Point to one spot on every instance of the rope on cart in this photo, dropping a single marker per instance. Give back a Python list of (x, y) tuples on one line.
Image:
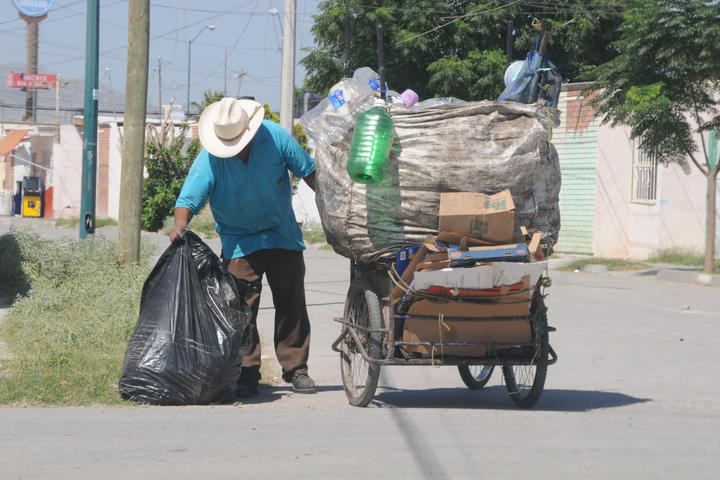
[(441, 323)]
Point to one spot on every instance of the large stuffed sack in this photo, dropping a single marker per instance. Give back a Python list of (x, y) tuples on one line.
[(481, 147), (192, 332)]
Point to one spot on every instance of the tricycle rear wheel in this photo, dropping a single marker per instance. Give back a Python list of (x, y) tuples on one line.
[(362, 312), (525, 383), (475, 376)]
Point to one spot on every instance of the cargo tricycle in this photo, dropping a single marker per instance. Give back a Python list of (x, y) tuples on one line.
[(374, 334)]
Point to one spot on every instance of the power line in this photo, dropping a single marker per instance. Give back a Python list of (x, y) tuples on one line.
[(471, 13), (247, 24)]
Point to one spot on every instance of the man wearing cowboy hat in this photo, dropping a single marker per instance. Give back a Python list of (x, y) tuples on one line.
[(243, 172)]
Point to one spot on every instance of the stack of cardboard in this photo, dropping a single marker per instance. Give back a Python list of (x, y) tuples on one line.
[(472, 281)]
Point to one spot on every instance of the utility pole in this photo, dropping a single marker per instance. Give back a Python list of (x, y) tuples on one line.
[(31, 61), (225, 76), (131, 177), (287, 87), (160, 87), (239, 76), (57, 108), (90, 114)]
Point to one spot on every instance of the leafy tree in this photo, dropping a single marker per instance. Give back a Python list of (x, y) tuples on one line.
[(664, 85), (270, 115), (457, 48), (166, 168)]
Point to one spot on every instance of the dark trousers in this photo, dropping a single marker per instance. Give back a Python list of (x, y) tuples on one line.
[(285, 270)]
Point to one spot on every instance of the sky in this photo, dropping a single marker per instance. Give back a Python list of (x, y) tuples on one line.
[(246, 29)]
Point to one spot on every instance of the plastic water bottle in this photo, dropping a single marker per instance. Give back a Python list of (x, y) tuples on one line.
[(333, 118), (367, 76), (370, 147)]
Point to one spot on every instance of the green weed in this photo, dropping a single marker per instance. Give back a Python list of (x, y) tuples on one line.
[(678, 256), (73, 313), (613, 264)]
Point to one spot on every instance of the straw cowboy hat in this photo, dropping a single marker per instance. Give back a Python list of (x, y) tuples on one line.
[(227, 126)]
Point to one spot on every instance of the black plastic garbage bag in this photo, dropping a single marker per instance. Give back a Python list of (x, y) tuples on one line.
[(192, 331)]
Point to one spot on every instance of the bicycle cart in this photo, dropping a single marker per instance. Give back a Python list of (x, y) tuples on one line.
[(372, 336)]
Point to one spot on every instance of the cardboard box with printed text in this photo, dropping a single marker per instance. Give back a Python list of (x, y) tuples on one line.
[(485, 217)]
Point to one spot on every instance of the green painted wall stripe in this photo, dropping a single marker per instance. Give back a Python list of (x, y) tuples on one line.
[(578, 155)]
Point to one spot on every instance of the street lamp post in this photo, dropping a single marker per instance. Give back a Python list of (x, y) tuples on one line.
[(187, 107)]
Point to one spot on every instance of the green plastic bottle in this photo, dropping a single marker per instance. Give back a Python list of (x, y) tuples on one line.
[(370, 147)]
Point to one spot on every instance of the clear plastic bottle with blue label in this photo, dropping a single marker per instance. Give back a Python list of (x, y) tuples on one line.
[(371, 145), (367, 76), (334, 117)]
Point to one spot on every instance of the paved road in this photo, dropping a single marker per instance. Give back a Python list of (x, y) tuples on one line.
[(633, 395)]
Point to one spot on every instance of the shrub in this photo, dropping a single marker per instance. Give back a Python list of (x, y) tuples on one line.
[(167, 168)]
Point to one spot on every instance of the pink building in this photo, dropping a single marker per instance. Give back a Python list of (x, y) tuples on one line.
[(616, 201)]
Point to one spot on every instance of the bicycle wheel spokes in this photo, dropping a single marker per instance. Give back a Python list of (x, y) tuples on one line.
[(362, 312)]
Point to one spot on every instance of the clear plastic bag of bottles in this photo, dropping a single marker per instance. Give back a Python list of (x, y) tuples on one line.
[(333, 119)]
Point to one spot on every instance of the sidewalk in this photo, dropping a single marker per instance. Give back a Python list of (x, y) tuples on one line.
[(47, 228), (664, 272)]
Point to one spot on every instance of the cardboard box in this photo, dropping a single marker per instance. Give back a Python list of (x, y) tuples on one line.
[(473, 277), (431, 330), (485, 217)]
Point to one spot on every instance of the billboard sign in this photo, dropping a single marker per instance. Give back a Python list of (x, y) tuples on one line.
[(31, 80)]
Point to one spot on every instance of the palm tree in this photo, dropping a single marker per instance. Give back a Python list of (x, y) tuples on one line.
[(210, 96)]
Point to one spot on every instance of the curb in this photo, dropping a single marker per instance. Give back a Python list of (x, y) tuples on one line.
[(684, 276)]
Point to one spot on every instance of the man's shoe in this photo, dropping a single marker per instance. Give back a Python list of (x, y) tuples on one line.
[(302, 383), (247, 386)]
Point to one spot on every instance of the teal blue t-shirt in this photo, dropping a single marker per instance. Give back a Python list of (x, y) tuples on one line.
[(252, 204)]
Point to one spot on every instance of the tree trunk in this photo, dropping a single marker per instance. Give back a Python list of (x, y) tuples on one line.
[(710, 234)]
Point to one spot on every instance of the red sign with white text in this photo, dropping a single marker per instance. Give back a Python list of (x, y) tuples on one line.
[(31, 80)]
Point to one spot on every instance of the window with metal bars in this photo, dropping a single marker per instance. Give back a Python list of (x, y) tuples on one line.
[(644, 172)]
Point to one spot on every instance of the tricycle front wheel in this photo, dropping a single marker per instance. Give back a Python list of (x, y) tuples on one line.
[(362, 312)]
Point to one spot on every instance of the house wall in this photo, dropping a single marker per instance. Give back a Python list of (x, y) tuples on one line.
[(632, 229), (596, 195), (67, 167)]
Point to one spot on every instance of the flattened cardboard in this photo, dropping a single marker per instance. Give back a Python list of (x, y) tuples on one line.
[(426, 266), (534, 244), (513, 252), (485, 217), (479, 277), (512, 305), (431, 330), (436, 257), (509, 273)]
